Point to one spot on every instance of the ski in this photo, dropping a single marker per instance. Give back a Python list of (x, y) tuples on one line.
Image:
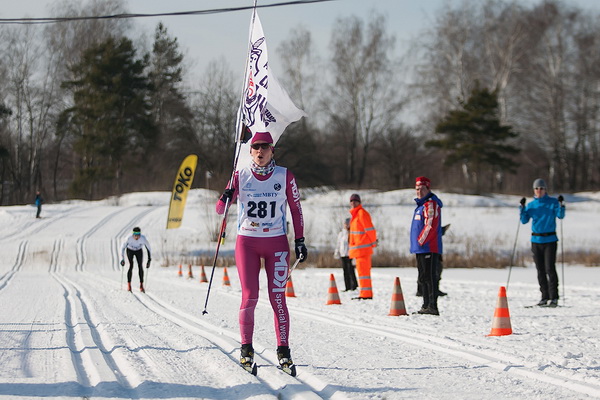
[(250, 367), (289, 369), (538, 306)]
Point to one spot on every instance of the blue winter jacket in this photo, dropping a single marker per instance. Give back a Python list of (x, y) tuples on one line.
[(426, 226), (543, 211)]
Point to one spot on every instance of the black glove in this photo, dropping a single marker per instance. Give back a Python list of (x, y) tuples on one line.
[(227, 195), (300, 249), (246, 134), (560, 199), (148, 263), (122, 263), (523, 200), (444, 229)]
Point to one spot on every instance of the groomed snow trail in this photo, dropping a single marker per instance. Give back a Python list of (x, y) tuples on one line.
[(70, 330)]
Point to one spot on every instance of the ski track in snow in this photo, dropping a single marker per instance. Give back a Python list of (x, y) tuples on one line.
[(153, 345)]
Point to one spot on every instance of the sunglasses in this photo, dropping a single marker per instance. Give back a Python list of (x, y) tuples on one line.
[(136, 234), (540, 188), (263, 146)]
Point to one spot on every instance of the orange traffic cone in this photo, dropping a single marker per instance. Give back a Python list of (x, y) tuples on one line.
[(333, 297), (289, 288), (203, 275), (501, 323), (397, 308), (226, 278), (180, 273), (190, 275)]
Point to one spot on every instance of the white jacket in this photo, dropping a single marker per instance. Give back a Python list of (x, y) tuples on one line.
[(341, 248), (135, 244)]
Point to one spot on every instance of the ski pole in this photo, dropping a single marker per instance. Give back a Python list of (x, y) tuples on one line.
[(147, 275), (122, 272), (221, 238), (562, 256), (514, 248), (294, 267)]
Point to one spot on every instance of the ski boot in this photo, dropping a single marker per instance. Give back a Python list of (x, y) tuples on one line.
[(142, 288), (552, 303), (129, 286), (247, 358), (429, 310), (285, 360)]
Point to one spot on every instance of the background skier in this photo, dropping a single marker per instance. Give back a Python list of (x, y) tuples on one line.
[(38, 203), (134, 245), (543, 211)]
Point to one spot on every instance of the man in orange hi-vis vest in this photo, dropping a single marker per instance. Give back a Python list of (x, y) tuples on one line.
[(362, 239)]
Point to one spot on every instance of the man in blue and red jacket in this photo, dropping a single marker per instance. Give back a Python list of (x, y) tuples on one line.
[(426, 242)]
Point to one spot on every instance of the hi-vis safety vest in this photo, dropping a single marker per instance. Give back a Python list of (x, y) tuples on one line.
[(362, 237), (262, 204)]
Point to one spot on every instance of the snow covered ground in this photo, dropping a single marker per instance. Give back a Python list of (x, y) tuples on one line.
[(68, 329)]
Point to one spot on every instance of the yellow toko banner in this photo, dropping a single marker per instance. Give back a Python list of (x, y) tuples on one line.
[(183, 183)]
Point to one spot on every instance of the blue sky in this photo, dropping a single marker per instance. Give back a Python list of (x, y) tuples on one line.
[(209, 37)]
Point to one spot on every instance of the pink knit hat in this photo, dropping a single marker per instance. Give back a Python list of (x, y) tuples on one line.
[(262, 137)]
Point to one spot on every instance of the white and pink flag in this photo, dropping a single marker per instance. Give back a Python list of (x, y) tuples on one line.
[(266, 105)]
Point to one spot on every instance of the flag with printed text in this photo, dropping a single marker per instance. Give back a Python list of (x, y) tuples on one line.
[(266, 107)]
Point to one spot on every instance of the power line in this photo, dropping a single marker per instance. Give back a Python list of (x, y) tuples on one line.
[(52, 20)]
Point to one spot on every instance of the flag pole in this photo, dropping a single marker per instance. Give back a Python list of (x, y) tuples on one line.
[(241, 131)]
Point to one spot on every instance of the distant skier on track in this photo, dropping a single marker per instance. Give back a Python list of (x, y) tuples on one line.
[(39, 200), (134, 245)]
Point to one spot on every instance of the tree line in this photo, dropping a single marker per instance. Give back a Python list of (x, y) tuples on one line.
[(492, 96)]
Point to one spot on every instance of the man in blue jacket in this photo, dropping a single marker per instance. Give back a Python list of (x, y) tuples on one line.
[(543, 211), (426, 243)]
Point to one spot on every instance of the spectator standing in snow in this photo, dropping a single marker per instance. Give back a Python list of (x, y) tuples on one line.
[(263, 191), (38, 203), (134, 245), (543, 211), (341, 252), (361, 241), (426, 243)]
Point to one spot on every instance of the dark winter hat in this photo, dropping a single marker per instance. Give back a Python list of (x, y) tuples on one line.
[(422, 180), (262, 137), (137, 230), (539, 183), (355, 197)]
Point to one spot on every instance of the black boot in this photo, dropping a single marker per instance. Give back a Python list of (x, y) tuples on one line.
[(247, 358), (429, 310), (285, 360)]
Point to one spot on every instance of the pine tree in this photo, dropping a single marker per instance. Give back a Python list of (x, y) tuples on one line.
[(170, 109), (110, 119), (475, 138)]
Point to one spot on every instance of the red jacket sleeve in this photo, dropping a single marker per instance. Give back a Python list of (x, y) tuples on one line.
[(430, 224)]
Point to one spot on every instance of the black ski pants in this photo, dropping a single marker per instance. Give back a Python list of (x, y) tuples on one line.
[(428, 267), (349, 275), (544, 256), (139, 258)]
